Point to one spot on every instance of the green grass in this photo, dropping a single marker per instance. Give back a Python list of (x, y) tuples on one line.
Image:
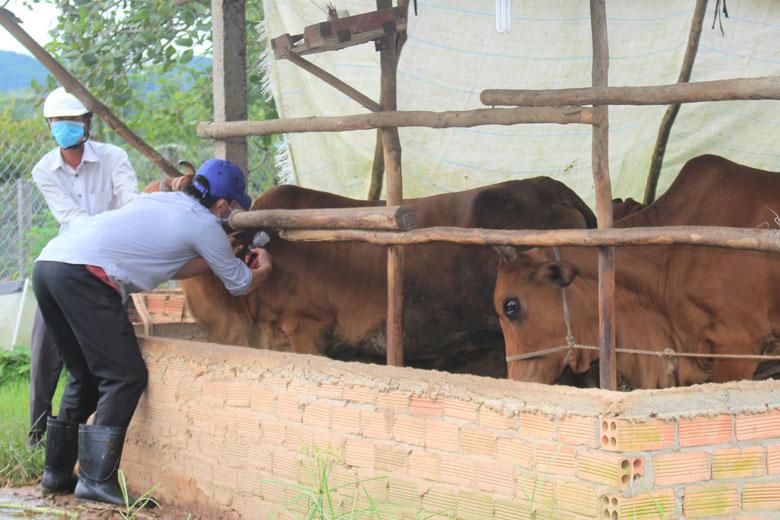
[(19, 465)]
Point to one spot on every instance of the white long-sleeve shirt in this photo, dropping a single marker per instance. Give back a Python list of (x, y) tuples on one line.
[(145, 243), (104, 180)]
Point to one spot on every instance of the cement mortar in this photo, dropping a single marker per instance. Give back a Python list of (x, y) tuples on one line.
[(510, 396)]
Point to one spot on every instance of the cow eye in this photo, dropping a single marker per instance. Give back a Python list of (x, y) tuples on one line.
[(512, 308)]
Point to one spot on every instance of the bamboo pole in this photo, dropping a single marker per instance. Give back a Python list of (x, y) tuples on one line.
[(747, 239), (397, 119), (391, 218), (671, 112), (9, 21), (335, 82), (767, 87), (391, 147), (600, 160)]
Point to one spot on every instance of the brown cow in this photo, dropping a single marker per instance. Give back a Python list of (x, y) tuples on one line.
[(330, 298), (689, 299)]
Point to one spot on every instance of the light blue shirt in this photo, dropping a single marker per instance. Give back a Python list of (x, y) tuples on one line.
[(146, 242)]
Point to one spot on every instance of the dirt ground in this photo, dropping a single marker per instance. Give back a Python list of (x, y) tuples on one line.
[(64, 507)]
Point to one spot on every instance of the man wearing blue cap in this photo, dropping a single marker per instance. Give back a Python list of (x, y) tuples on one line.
[(81, 280)]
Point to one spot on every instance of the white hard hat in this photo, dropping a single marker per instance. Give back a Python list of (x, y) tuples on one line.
[(61, 103)]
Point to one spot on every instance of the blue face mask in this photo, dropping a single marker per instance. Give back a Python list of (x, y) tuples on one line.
[(67, 133)]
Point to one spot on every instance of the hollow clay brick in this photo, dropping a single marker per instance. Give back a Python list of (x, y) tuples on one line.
[(394, 399), (496, 477), (735, 463), (388, 457), (345, 419), (761, 496), (577, 498), (360, 394), (426, 406), (681, 468), (626, 435), (274, 432), (317, 415), (237, 394), (330, 391), (410, 430), (555, 458), (517, 452), (458, 409), (424, 465), (577, 430), (458, 470), (262, 399), (440, 501), (359, 453), (764, 425), (773, 459), (538, 492), (474, 506), (477, 441), (495, 420), (710, 500), (513, 510), (288, 407), (605, 468), (441, 435), (700, 431), (536, 425), (403, 493), (659, 505), (374, 425)]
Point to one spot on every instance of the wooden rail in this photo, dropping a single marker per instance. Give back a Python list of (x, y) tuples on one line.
[(397, 119), (767, 87), (707, 236), (398, 218)]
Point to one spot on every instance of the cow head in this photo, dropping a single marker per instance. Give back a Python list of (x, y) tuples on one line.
[(168, 183), (529, 304)]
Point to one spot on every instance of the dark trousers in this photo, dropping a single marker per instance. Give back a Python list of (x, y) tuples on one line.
[(89, 323), (45, 369)]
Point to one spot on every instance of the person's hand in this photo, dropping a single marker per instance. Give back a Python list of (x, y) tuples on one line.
[(235, 243), (259, 261)]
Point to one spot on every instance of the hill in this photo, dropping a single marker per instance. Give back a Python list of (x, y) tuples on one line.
[(17, 70)]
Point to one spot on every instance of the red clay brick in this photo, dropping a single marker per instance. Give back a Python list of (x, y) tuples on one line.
[(330, 391), (735, 463), (403, 493), (360, 394), (681, 468), (374, 425), (496, 420), (274, 381), (273, 431), (659, 505), (626, 435), (461, 409), (604, 468), (496, 477), (515, 451), (555, 458), (458, 470), (773, 459), (388, 457), (237, 394), (441, 435), (764, 425), (578, 430), (538, 492), (441, 501), (345, 419), (426, 406), (513, 510), (474, 506), (700, 431), (761, 496), (710, 500), (262, 399), (424, 465), (287, 465), (477, 442), (410, 430), (536, 425)]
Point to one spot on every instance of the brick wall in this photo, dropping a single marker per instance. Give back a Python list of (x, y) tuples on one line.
[(234, 432)]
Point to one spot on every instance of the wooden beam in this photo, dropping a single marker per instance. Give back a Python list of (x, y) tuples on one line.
[(228, 71), (397, 119), (9, 21), (767, 87), (377, 218), (747, 239), (335, 82), (601, 181), (671, 112)]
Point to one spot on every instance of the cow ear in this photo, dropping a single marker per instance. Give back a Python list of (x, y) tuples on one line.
[(187, 167), (507, 253), (559, 273)]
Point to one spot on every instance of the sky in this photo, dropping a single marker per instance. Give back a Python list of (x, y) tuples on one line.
[(36, 23)]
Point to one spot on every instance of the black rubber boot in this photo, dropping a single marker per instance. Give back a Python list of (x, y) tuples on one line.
[(100, 449), (61, 451)]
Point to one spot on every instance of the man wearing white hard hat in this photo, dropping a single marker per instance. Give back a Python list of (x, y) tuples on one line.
[(77, 179)]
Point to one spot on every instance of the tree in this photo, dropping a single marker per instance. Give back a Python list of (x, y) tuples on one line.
[(148, 60)]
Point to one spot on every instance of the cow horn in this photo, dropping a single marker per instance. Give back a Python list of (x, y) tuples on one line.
[(507, 253)]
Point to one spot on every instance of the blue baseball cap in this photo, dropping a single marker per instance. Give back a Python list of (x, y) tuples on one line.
[(226, 181)]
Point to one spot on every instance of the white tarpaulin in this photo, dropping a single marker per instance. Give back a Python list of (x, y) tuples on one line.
[(454, 52)]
